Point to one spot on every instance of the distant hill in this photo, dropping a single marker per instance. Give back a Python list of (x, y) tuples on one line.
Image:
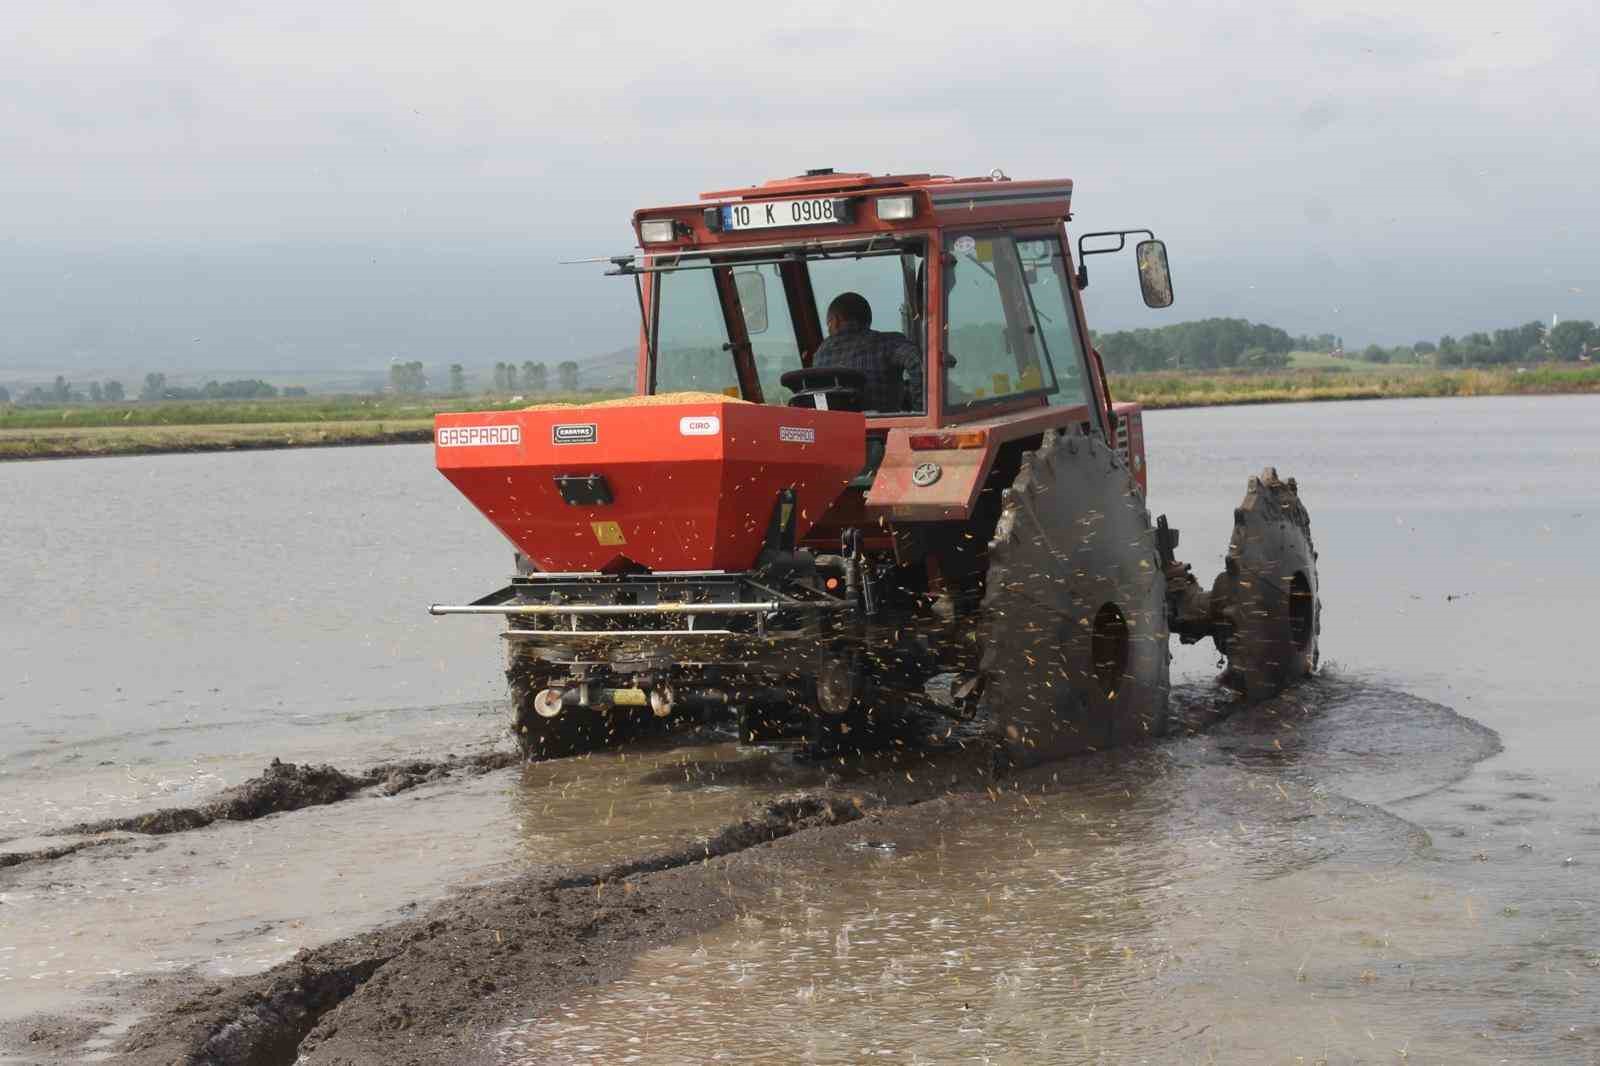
[(609, 370), (270, 310), (342, 312)]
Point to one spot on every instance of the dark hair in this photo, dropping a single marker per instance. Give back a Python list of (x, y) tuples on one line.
[(851, 307)]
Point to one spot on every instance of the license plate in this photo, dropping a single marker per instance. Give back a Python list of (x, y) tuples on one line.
[(774, 213)]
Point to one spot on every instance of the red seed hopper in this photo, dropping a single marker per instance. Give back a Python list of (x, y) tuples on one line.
[(664, 485)]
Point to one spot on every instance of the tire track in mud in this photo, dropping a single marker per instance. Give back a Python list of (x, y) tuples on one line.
[(281, 787), (446, 979), (438, 987)]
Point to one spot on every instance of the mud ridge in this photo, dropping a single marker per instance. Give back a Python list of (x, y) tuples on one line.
[(285, 786), (779, 818), (433, 988), (17, 858)]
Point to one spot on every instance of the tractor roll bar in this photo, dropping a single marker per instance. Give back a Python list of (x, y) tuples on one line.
[(863, 246)]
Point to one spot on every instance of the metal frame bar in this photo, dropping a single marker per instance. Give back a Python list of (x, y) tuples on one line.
[(764, 607), (566, 636), (1121, 235), (867, 246)]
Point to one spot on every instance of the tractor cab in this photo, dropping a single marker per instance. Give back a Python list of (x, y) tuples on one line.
[(971, 274), (973, 320)]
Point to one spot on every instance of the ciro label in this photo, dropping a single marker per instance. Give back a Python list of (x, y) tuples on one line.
[(699, 425), (966, 245)]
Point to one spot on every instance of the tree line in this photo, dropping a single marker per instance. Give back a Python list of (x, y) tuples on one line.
[(1532, 342), (535, 377), (1216, 343), (407, 377), (1207, 344), (62, 391), (531, 376), (156, 387)]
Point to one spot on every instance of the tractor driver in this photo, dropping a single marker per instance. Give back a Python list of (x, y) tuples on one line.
[(882, 357)]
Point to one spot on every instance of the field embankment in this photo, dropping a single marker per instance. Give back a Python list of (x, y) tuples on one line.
[(84, 430), (234, 425), (1349, 382)]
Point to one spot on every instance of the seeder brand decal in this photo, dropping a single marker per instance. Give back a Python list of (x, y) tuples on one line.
[(477, 436), (699, 425), (574, 433), (797, 434)]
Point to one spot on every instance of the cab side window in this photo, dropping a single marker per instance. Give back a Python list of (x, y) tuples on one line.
[(1044, 268), (691, 344), (992, 348)]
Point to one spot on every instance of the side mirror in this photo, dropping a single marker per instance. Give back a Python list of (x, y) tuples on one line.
[(752, 290), (1155, 279)]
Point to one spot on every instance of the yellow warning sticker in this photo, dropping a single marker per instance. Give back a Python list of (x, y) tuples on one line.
[(608, 533)]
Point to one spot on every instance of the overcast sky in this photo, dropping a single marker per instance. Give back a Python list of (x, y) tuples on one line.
[(1385, 170)]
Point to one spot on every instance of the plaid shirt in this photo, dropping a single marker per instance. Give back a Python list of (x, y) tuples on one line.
[(881, 357)]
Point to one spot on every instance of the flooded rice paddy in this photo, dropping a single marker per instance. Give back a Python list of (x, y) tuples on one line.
[(1400, 863)]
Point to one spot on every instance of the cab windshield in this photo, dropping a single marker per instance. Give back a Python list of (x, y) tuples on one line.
[(734, 324)]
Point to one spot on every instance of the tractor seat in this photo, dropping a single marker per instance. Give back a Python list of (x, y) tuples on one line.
[(826, 388)]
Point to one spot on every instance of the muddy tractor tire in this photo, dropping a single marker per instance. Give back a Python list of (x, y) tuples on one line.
[(1271, 606), (1074, 621)]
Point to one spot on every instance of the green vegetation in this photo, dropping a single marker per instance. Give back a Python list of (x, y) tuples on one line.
[(1227, 343), (156, 388), (534, 377), (1291, 386), (1208, 344), (1208, 362), (408, 377), (138, 440)]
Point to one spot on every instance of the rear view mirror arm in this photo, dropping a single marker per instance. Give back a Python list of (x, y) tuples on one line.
[(1121, 235)]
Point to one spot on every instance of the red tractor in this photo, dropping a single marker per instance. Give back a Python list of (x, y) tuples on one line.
[(745, 535)]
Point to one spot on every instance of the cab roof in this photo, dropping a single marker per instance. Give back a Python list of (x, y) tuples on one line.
[(939, 198)]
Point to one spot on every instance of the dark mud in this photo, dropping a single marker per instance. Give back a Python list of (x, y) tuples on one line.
[(284, 786), (17, 858), (433, 988)]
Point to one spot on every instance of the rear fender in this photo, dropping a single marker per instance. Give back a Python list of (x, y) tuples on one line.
[(950, 492)]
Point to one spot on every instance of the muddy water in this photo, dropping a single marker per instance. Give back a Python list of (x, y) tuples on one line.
[(237, 898), (174, 621), (1359, 888), (1356, 877), (1215, 893)]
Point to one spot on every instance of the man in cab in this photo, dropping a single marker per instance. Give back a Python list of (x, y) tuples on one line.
[(891, 363)]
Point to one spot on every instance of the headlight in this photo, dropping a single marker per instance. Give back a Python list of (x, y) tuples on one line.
[(896, 208), (657, 230)]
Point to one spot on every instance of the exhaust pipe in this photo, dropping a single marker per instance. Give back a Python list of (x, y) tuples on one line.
[(549, 703)]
